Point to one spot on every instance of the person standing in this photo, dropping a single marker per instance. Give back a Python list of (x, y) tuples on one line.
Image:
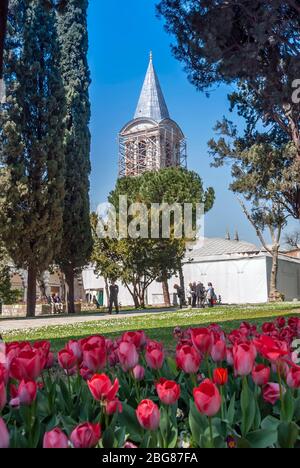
[(113, 297), (180, 295), (200, 295), (211, 295), (194, 295)]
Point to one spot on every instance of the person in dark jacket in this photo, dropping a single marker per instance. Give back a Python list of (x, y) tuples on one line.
[(113, 297)]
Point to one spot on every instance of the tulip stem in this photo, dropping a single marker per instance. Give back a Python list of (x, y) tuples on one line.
[(208, 366), (280, 386), (223, 401), (211, 432)]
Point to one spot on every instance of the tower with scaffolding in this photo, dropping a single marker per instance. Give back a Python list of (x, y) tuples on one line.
[(152, 140)]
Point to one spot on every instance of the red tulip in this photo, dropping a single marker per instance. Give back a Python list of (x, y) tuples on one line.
[(138, 373), (271, 393), (3, 396), (4, 373), (218, 351), (75, 348), (148, 415), (24, 395), (202, 339), (50, 361), (94, 354), (102, 389), (43, 346), (114, 406), (280, 322), (4, 435), (138, 338), (268, 328), (55, 439), (67, 359), (293, 377), (27, 365), (229, 356), (270, 348), (261, 375), (207, 398), (187, 359), (154, 355), (86, 436), (128, 356), (244, 356), (168, 391), (221, 377)]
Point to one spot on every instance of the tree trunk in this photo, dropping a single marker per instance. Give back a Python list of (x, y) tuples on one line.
[(31, 291), (166, 292), (181, 279), (274, 295), (107, 291), (70, 290)]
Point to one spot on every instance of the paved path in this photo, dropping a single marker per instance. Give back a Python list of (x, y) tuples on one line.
[(7, 325)]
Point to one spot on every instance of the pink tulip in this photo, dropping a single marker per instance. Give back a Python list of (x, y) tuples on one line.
[(86, 436), (3, 395), (218, 351), (207, 398), (155, 355), (271, 393), (148, 415), (138, 373), (114, 406), (188, 359), (4, 435), (55, 439), (293, 377), (202, 339), (128, 356), (261, 375), (244, 356), (25, 395)]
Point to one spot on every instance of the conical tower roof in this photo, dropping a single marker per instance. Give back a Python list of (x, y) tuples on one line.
[(152, 103)]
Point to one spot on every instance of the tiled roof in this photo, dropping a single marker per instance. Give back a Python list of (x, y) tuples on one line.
[(216, 246)]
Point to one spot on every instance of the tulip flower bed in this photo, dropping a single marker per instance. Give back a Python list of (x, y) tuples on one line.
[(237, 389)]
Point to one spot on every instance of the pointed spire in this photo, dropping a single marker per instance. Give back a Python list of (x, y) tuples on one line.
[(152, 103), (237, 236)]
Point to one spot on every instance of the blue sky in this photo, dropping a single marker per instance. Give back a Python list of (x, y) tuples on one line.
[(121, 35)]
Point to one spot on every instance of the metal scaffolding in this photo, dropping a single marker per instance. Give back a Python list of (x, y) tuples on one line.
[(151, 149)]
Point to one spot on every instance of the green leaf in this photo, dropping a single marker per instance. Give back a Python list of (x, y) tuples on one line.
[(231, 411), (198, 424), (129, 420), (108, 438), (288, 409), (270, 423), (262, 438), (288, 434)]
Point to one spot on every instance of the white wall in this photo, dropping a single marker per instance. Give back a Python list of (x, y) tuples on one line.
[(288, 277), (238, 281)]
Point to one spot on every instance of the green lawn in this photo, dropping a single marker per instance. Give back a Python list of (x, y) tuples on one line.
[(158, 326)]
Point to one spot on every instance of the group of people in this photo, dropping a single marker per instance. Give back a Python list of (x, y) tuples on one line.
[(197, 295), (57, 306)]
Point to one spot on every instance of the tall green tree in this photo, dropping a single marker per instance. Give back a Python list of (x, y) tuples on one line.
[(254, 44), (3, 25), (32, 133), (140, 261), (77, 238)]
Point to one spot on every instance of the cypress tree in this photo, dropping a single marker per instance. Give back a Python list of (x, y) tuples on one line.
[(32, 134), (77, 238)]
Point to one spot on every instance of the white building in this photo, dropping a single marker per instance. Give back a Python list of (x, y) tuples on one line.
[(239, 271)]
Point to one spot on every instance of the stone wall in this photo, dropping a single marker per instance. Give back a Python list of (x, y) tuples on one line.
[(19, 310)]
